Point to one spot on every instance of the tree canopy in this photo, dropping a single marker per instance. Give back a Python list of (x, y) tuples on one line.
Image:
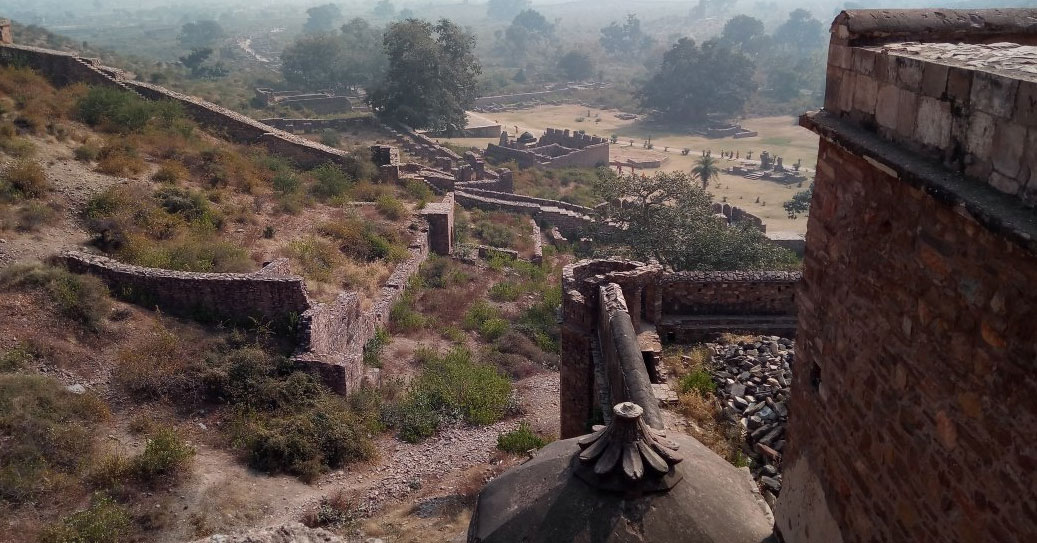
[(626, 38), (668, 217), (695, 81), (200, 34), (322, 18), (432, 75), (529, 30), (801, 31), (745, 32), (576, 65), (346, 60)]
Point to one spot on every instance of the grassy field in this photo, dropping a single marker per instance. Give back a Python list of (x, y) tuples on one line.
[(780, 136)]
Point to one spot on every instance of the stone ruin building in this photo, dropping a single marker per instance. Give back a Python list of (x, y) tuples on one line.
[(555, 149), (913, 399), (5, 31), (321, 103)]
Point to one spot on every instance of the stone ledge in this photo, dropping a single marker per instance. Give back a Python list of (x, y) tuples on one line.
[(994, 210)]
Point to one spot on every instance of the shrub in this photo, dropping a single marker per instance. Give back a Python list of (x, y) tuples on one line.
[(170, 172), (374, 346), (165, 454), (699, 380), (457, 385), (87, 152), (505, 291), (365, 191), (497, 235), (479, 312), (492, 329), (123, 111), (26, 177), (418, 190), (403, 318), (316, 257), (286, 183), (120, 158), (46, 432), (33, 215), (540, 320), (520, 440), (82, 298), (330, 181), (390, 207), (105, 521), (18, 357), (330, 138)]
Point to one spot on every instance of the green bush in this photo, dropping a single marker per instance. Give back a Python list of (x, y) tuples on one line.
[(329, 182), (330, 138), (34, 214), (491, 233), (492, 329), (699, 380), (403, 318), (83, 298), (520, 440), (390, 207), (418, 190), (373, 348), (165, 454), (479, 312), (105, 521), (451, 385), (317, 257), (123, 111), (286, 183), (505, 291), (18, 357), (540, 320)]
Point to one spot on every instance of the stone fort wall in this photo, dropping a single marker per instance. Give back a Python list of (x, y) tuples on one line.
[(235, 297), (914, 403), (64, 68), (676, 306)]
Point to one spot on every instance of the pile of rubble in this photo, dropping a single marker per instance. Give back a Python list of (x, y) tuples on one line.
[(753, 380)]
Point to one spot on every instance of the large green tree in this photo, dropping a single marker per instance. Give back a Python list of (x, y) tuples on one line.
[(322, 18), (668, 217), (801, 32), (349, 59), (746, 33), (626, 38), (693, 81), (432, 75), (529, 30), (200, 34), (576, 65), (505, 9)]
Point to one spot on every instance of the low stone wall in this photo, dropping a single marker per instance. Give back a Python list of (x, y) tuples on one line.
[(538, 243), (725, 293), (440, 217), (310, 126), (234, 297), (65, 68), (574, 140), (333, 336)]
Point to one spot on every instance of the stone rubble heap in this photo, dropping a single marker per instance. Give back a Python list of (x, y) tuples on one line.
[(753, 379)]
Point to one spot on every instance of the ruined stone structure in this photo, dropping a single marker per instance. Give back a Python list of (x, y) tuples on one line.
[(681, 307), (270, 295), (734, 214), (313, 126), (538, 243), (321, 103), (66, 68), (440, 217), (914, 402), (6, 36), (555, 149)]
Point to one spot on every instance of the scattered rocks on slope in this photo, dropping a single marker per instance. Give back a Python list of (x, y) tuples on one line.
[(286, 533), (753, 379)]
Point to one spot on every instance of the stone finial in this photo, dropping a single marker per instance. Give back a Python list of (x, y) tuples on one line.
[(627, 455)]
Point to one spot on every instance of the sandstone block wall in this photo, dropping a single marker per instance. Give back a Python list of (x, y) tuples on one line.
[(310, 126), (914, 402), (725, 293), (440, 217), (235, 297), (574, 140)]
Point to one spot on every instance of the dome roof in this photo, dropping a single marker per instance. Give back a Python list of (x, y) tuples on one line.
[(574, 490)]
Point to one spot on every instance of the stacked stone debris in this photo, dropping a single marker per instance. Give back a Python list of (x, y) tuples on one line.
[(753, 380)]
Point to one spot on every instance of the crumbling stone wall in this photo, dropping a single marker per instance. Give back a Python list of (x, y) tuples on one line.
[(311, 126), (538, 243), (440, 217), (235, 297), (914, 402)]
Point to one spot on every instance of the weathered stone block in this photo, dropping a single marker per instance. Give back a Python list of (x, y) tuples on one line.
[(1026, 104), (847, 86), (865, 94), (909, 73), (907, 107), (833, 82), (841, 56), (887, 106), (993, 94), (959, 85), (1004, 183), (864, 61), (980, 135), (934, 122), (934, 79), (1007, 151)]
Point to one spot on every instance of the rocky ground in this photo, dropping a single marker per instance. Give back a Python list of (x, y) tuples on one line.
[(753, 379)]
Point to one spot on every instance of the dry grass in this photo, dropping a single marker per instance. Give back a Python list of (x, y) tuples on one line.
[(703, 411)]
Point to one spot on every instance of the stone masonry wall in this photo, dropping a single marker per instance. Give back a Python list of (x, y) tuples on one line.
[(310, 126), (915, 349), (964, 105), (234, 297), (914, 402), (440, 217), (726, 293)]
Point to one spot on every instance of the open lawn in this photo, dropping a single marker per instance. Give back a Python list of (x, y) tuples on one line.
[(780, 136)]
